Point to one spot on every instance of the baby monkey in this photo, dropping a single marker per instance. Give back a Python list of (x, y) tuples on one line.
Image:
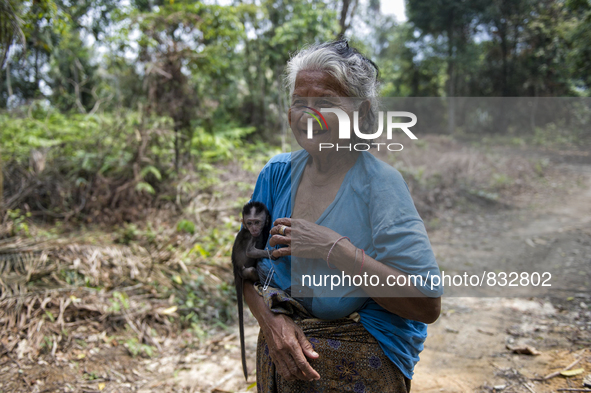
[(248, 248)]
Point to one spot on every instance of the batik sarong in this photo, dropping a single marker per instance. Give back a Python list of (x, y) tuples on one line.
[(351, 359)]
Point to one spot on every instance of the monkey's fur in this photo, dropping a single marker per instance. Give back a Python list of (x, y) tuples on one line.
[(248, 248)]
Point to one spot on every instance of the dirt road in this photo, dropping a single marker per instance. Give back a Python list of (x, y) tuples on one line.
[(467, 347)]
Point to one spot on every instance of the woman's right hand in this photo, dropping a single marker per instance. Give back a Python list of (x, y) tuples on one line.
[(288, 348)]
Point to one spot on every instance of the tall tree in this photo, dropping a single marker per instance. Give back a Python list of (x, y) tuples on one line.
[(10, 27), (580, 38), (347, 14), (457, 22), (278, 29), (409, 65), (182, 43)]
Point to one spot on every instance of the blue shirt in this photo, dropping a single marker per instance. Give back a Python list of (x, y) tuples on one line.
[(373, 207)]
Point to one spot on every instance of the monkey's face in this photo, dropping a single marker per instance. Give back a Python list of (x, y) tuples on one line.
[(254, 222)]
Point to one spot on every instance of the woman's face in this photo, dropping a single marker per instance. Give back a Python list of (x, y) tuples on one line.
[(316, 89)]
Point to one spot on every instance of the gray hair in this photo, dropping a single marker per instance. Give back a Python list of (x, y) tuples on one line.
[(356, 73)]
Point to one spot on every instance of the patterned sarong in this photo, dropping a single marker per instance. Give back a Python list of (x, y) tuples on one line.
[(351, 359)]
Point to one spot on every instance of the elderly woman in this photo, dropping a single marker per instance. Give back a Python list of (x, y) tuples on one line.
[(346, 210)]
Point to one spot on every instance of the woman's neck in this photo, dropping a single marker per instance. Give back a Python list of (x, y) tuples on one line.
[(326, 167)]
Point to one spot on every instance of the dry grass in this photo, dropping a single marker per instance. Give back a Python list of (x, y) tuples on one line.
[(50, 288), (442, 173)]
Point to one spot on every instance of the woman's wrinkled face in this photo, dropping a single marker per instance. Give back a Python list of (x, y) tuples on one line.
[(316, 89)]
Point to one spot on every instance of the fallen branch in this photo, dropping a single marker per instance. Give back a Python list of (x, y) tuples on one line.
[(557, 373), (528, 387)]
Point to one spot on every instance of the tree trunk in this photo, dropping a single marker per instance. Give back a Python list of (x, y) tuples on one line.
[(343, 19), (504, 55), (344, 25), (1, 190), (37, 56), (451, 86), (8, 84), (177, 149)]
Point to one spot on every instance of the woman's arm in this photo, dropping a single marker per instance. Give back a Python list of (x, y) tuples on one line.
[(407, 302), (315, 241), (288, 346)]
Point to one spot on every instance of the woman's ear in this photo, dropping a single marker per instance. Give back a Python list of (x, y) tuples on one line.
[(289, 116), (364, 111)]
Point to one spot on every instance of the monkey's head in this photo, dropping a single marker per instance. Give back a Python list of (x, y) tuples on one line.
[(255, 217)]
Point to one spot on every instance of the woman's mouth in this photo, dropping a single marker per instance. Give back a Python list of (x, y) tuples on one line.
[(315, 132)]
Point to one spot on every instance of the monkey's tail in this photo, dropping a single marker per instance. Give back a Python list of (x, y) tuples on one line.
[(239, 286)]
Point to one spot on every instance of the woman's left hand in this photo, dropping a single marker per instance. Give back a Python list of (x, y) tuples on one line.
[(303, 238)]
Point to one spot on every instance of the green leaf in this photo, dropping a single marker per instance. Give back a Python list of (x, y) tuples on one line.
[(50, 315), (143, 186), (198, 248), (151, 169), (186, 226)]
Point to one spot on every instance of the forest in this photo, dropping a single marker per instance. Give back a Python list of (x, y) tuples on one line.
[(132, 132), (128, 96)]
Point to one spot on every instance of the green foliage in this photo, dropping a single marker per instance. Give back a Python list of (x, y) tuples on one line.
[(104, 144), (517, 48), (47, 343), (220, 145), (10, 27), (143, 186), (75, 278), (49, 315), (201, 304), (19, 224), (186, 226), (73, 76), (129, 233), (91, 375), (557, 135), (579, 36), (136, 348), (119, 302)]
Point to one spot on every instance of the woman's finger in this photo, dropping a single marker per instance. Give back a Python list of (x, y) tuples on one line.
[(289, 368), (283, 221), (282, 230), (296, 362), (292, 367), (305, 371), (281, 252), (283, 369), (278, 239), (307, 347)]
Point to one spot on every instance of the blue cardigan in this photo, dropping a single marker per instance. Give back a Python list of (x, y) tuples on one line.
[(373, 207)]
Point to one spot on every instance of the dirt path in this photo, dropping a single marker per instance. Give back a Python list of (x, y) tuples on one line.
[(466, 349)]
